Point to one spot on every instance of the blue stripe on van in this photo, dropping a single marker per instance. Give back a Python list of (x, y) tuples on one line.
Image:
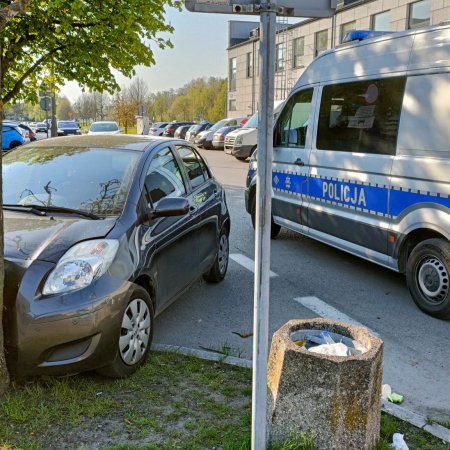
[(401, 200), (372, 199)]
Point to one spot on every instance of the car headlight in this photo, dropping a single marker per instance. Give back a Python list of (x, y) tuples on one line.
[(81, 265), (238, 140)]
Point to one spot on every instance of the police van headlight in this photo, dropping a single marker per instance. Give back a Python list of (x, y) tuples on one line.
[(238, 140)]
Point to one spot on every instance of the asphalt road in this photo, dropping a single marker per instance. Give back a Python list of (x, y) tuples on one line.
[(312, 280)]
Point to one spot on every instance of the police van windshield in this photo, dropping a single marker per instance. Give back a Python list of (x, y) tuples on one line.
[(252, 122)]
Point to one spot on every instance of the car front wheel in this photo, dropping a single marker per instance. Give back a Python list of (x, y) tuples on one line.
[(428, 277), (135, 336)]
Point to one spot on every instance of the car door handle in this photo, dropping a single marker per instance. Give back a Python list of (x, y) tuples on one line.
[(216, 193), (299, 162)]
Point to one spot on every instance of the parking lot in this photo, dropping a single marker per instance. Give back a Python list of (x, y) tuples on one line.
[(311, 279)]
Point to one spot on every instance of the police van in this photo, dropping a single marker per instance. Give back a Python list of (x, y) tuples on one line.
[(362, 157)]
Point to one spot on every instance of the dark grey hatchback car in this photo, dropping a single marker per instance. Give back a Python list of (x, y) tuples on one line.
[(101, 234)]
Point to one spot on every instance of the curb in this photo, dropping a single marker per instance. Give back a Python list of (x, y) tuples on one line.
[(401, 413), (203, 354)]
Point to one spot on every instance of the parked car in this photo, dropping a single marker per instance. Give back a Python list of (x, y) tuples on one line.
[(41, 127), (12, 136), (170, 128), (220, 134), (180, 132), (196, 129), (29, 130), (102, 233), (68, 127), (157, 128), (104, 128), (204, 139), (242, 143)]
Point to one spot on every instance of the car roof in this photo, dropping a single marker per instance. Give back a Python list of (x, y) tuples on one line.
[(123, 141)]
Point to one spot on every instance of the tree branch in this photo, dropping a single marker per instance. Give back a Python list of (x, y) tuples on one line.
[(12, 10), (15, 90)]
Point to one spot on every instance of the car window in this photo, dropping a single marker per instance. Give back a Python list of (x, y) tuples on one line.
[(361, 117), (192, 165), (292, 126), (91, 179), (163, 177)]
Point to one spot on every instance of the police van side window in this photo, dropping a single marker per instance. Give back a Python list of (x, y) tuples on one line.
[(293, 122), (361, 117)]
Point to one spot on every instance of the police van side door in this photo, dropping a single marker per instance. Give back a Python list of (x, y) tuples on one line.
[(292, 145), (351, 163)]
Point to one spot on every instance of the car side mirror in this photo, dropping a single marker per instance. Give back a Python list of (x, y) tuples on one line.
[(171, 206)]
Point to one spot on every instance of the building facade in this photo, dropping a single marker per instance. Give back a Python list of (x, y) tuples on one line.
[(297, 45)]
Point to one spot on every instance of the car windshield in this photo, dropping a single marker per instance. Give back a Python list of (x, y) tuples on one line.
[(68, 124), (94, 180), (105, 126), (218, 125), (252, 122)]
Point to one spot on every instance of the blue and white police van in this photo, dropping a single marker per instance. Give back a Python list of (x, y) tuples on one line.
[(362, 157)]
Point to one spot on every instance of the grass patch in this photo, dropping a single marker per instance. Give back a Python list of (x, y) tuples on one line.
[(173, 402)]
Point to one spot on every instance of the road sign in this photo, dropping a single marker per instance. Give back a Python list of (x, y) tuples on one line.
[(45, 103), (292, 8), (44, 91)]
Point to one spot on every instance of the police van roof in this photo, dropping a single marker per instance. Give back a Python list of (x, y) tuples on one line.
[(422, 49)]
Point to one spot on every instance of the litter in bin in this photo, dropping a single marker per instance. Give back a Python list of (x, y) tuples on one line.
[(327, 343), (398, 443), (336, 349)]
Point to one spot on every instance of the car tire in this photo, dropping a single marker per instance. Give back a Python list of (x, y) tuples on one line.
[(274, 228), (14, 144), (219, 268), (136, 331), (428, 277)]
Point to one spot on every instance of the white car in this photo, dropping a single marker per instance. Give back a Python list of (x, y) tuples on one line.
[(157, 128), (105, 128)]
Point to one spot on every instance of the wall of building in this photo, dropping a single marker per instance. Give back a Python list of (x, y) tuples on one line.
[(244, 98)]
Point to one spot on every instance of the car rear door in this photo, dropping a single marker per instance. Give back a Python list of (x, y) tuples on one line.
[(206, 199)]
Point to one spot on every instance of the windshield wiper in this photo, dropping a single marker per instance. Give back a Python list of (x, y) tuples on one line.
[(30, 209), (41, 210)]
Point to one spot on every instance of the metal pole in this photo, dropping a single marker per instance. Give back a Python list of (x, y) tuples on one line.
[(263, 221)]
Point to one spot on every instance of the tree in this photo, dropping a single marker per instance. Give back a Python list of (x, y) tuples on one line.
[(74, 40), (63, 108)]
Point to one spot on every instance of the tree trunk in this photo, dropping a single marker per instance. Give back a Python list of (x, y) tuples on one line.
[(4, 377)]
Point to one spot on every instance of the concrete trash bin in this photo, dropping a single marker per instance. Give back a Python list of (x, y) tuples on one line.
[(336, 399)]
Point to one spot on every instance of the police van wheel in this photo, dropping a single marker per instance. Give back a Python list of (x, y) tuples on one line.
[(274, 228), (428, 277)]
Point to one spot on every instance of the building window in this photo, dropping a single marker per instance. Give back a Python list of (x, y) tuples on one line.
[(419, 14), (361, 117), (232, 74), (279, 55), (346, 27), (250, 65), (381, 21), (299, 51), (232, 105), (321, 42)]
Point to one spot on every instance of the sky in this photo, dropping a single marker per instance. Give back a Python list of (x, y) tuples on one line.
[(200, 43)]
